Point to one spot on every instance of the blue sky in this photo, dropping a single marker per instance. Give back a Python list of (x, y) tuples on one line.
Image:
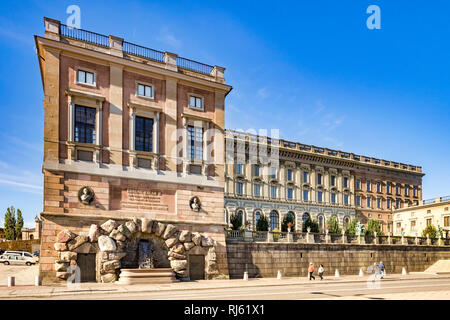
[(309, 68)]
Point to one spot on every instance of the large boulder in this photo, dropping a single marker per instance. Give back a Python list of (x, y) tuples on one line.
[(171, 242), (116, 235), (146, 225), (109, 225), (94, 233), (76, 242), (120, 244), (197, 238), (106, 243), (169, 231), (61, 266), (111, 265), (185, 236), (158, 228), (172, 256), (131, 226), (178, 265), (108, 278), (138, 224), (178, 248), (116, 255), (188, 246), (124, 230), (67, 256), (207, 242), (60, 246), (65, 236)]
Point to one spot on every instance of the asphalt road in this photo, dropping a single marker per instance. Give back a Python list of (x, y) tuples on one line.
[(395, 289)]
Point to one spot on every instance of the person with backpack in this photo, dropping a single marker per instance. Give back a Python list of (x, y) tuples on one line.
[(311, 271), (320, 271)]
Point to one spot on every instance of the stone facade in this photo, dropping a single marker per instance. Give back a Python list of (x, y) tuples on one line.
[(265, 259), (124, 140), (276, 177)]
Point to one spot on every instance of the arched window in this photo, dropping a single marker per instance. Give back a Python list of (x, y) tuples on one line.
[(321, 220), (256, 215), (274, 220), (31, 237), (241, 216), (305, 217), (291, 215), (346, 222)]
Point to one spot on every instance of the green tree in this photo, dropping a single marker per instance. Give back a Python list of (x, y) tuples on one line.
[(351, 227), (431, 230), (284, 224), (10, 223), (262, 224), (236, 222), (333, 225), (372, 226), (313, 224), (19, 225)]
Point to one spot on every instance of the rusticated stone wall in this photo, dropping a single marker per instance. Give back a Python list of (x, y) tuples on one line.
[(265, 259)]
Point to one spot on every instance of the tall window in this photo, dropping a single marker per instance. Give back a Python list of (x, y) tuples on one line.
[(406, 190), (305, 176), (84, 124), (346, 199), (238, 168), (333, 198), (319, 178), (239, 188), (305, 195), (195, 102), (257, 217), (319, 196), (290, 193), (257, 190), (241, 216), (273, 220), (256, 170), (273, 172), (289, 174), (388, 187), (429, 221), (144, 134), (345, 182), (397, 203), (358, 184), (145, 91), (388, 204), (447, 221), (368, 185), (85, 77), (273, 191), (333, 180), (415, 191), (378, 186), (397, 189), (368, 202), (358, 201), (379, 203), (195, 142)]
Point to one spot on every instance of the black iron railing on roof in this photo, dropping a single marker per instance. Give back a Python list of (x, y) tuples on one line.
[(194, 65), (84, 35), (144, 52)]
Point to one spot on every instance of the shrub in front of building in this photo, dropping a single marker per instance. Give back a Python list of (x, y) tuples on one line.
[(333, 225), (430, 230), (313, 224), (262, 224)]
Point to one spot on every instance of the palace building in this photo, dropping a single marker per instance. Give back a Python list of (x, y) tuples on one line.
[(274, 177), (133, 149), (140, 173)]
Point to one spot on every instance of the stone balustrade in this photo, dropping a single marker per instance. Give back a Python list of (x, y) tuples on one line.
[(312, 237)]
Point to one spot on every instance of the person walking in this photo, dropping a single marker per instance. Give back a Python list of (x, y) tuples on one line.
[(320, 270), (382, 269), (311, 271)]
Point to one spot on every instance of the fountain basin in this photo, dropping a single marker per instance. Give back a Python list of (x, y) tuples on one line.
[(146, 276)]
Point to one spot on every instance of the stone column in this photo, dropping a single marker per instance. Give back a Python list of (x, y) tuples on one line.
[(115, 114), (219, 128)]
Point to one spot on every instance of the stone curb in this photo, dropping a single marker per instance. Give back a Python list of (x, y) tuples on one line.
[(272, 284)]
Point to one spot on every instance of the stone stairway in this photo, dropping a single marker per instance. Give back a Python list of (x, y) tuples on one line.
[(146, 276), (439, 267)]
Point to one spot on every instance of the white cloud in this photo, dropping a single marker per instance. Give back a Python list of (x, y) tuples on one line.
[(167, 37)]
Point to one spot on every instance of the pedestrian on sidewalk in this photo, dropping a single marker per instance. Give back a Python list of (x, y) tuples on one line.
[(311, 271), (321, 270), (382, 269)]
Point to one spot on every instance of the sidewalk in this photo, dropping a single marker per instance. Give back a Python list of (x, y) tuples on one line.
[(93, 288)]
